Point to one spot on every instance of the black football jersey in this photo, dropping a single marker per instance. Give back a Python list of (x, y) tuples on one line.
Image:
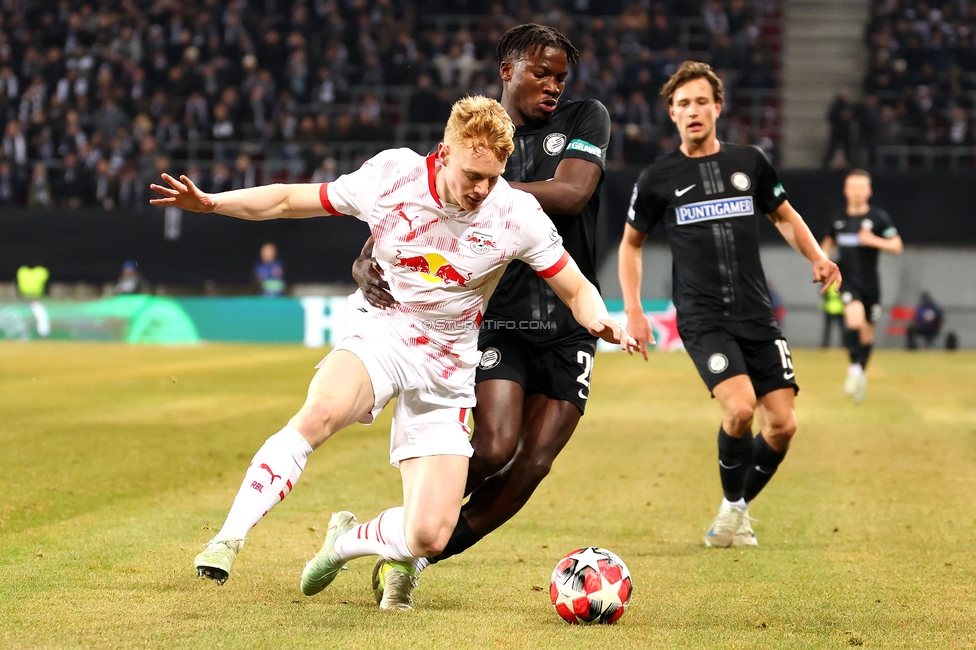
[(859, 264), (711, 207), (523, 303)]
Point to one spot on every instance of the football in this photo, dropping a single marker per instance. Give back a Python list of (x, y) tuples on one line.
[(591, 585)]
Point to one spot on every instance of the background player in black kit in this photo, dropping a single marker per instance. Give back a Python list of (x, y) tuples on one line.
[(534, 377), (710, 196), (860, 232)]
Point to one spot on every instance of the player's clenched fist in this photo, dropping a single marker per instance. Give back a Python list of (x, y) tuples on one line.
[(183, 194)]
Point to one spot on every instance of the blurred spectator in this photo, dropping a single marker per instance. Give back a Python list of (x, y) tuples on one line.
[(9, 184), (270, 272), (131, 281), (73, 184), (326, 172), (106, 191), (841, 117), (39, 192), (927, 323)]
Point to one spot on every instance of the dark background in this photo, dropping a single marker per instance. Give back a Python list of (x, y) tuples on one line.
[(90, 245)]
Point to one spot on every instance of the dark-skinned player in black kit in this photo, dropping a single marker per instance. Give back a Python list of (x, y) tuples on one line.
[(710, 196), (534, 378)]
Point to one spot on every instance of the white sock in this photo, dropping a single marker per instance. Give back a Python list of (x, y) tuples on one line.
[(272, 474), (855, 369), (740, 504), (384, 536)]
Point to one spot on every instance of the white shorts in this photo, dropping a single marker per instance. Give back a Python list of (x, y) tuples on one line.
[(424, 422)]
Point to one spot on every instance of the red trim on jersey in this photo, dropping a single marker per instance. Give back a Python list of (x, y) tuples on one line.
[(432, 176), (555, 268), (462, 418), (326, 203)]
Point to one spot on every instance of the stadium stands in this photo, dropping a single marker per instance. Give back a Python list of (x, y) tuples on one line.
[(919, 90), (97, 98)]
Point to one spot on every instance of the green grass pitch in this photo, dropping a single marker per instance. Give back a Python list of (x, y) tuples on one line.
[(118, 463)]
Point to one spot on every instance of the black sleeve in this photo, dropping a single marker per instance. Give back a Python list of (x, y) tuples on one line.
[(591, 134), (769, 191), (646, 206), (883, 225)]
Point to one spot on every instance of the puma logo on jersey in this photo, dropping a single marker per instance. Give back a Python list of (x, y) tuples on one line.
[(678, 192), (409, 221)]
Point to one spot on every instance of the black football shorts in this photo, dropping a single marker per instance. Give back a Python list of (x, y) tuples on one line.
[(561, 371), (724, 349), (870, 297)]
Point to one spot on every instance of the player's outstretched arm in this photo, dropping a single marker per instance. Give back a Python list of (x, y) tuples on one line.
[(630, 268), (588, 308), (278, 201), (797, 234), (369, 276)]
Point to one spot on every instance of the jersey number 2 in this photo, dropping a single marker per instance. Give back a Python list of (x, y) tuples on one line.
[(586, 359)]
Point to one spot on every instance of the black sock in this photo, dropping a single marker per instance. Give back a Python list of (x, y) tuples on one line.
[(763, 465), (461, 540), (865, 354), (734, 455), (852, 341)]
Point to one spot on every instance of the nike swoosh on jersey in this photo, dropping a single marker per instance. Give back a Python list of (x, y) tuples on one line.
[(789, 375), (724, 466), (582, 396), (678, 192)]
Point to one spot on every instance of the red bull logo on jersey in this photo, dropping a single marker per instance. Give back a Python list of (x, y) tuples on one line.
[(433, 268)]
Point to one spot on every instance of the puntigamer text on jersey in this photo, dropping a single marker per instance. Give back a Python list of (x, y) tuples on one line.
[(715, 209)]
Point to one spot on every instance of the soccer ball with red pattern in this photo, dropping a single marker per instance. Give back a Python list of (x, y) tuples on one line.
[(590, 585)]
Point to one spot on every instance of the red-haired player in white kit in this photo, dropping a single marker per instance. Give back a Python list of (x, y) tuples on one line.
[(445, 228)]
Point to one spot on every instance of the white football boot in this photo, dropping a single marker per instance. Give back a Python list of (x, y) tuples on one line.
[(322, 569), (744, 535), (723, 529), (216, 560)]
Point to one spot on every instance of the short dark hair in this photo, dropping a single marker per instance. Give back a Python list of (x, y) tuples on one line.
[(689, 71), (859, 172), (526, 38)]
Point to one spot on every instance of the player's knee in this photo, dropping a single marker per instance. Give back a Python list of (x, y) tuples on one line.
[(316, 421), (532, 468), (738, 417), (781, 428), (427, 540), (494, 448)]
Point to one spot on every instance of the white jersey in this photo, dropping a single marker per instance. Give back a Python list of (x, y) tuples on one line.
[(442, 263)]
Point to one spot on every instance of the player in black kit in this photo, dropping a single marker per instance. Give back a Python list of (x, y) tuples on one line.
[(859, 233), (534, 376), (710, 196)]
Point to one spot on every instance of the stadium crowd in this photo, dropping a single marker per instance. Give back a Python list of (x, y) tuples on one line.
[(96, 98), (920, 87)]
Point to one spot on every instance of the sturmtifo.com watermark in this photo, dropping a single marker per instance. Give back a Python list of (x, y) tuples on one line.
[(449, 325)]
